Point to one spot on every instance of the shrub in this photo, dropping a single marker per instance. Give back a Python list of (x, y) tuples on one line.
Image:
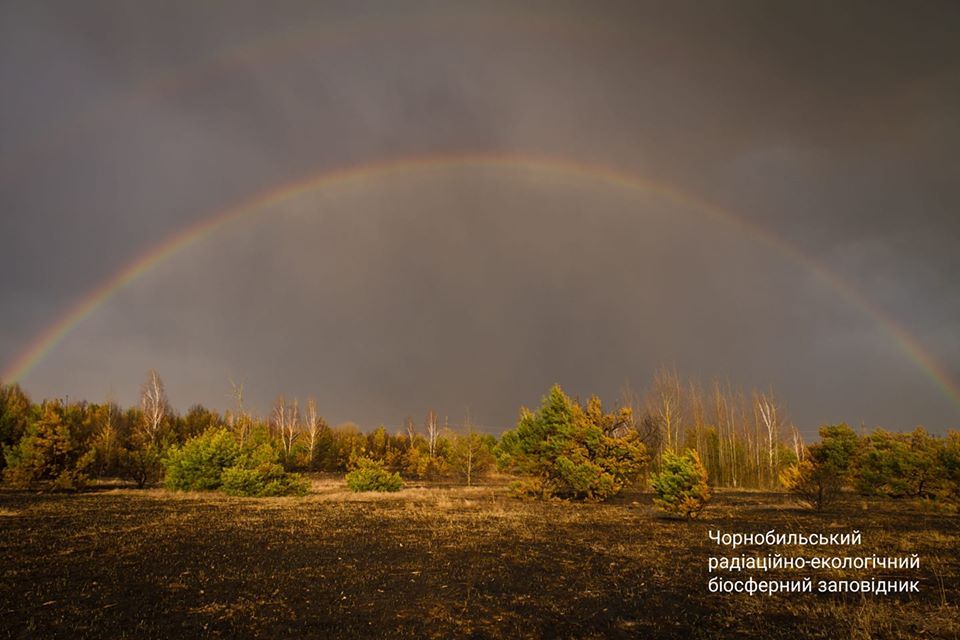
[(262, 481), (259, 474), (681, 485), (530, 487), (213, 460), (575, 452), (198, 465), (816, 483), (141, 462), (370, 475)]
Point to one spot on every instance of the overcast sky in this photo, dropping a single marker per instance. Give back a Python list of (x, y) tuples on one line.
[(832, 127)]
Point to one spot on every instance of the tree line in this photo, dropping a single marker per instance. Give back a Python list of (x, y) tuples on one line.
[(880, 463), (65, 445), (565, 448)]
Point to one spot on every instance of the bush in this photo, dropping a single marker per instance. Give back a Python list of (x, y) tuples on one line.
[(370, 475), (142, 463), (816, 483), (213, 460), (574, 452), (198, 465), (259, 474), (262, 481), (681, 486), (530, 487)]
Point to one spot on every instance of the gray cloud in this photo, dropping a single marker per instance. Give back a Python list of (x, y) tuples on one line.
[(832, 128)]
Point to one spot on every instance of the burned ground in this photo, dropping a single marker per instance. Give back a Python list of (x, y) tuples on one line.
[(443, 562)]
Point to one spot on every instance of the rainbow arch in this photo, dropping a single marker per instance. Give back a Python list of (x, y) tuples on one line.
[(52, 335)]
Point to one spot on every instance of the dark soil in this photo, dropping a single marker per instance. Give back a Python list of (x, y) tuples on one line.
[(441, 563)]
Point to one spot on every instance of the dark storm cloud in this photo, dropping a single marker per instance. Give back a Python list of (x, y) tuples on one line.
[(834, 128)]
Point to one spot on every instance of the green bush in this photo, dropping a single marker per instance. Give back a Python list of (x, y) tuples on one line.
[(370, 475), (198, 465), (213, 460), (258, 474), (681, 486), (262, 481)]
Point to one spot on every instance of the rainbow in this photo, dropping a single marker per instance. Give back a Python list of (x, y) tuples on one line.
[(50, 337)]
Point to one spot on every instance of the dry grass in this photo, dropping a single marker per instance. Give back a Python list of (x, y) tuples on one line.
[(437, 562)]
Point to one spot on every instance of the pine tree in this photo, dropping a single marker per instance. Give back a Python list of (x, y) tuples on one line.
[(681, 485), (572, 452), (55, 450)]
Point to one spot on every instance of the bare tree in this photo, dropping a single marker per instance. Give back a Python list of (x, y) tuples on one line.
[(286, 420), (740, 437), (466, 448), (433, 431), (698, 417), (411, 429), (314, 423), (238, 422), (798, 446), (155, 406), (768, 413), (722, 420), (667, 402)]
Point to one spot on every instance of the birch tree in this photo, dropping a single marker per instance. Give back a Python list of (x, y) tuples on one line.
[(411, 429), (433, 431), (471, 455), (667, 398), (313, 424), (286, 419), (798, 446), (238, 422), (769, 418), (155, 407)]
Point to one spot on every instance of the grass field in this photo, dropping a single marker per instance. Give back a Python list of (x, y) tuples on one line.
[(442, 562)]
